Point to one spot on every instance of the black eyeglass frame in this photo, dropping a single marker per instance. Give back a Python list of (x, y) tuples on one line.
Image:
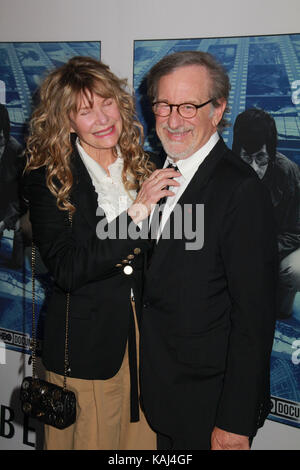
[(171, 106)]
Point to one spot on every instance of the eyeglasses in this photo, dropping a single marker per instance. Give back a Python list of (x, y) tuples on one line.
[(185, 110), (261, 157)]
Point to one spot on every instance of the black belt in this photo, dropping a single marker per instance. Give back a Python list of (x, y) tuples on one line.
[(133, 371)]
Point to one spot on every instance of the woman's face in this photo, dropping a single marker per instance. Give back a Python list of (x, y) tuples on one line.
[(98, 126)]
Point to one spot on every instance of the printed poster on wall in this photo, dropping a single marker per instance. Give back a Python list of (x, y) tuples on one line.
[(264, 73), (22, 67)]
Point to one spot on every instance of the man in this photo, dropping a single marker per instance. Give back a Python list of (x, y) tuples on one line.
[(208, 315), (255, 141)]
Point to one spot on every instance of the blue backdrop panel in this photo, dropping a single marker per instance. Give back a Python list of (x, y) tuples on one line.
[(22, 66)]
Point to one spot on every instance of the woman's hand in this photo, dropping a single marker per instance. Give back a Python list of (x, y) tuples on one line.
[(152, 190)]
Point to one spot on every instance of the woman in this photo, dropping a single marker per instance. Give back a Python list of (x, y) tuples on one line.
[(85, 151)]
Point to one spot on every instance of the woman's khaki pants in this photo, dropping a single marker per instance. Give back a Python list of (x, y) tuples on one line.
[(103, 416)]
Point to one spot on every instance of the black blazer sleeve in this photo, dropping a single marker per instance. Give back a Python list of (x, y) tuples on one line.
[(157, 159), (73, 261), (249, 252)]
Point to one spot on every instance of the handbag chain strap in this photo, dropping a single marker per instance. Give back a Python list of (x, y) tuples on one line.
[(33, 340), (33, 345)]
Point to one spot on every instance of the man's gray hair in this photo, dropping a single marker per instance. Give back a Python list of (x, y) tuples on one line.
[(220, 84)]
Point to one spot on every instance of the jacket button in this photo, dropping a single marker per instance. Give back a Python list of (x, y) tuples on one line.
[(146, 304), (128, 270)]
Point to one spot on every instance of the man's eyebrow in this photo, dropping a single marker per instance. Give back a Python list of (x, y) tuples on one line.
[(192, 102)]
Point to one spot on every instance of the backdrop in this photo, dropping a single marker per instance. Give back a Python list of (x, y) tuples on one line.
[(117, 24), (22, 67)]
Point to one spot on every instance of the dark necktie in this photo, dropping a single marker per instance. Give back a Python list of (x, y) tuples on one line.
[(156, 219), (163, 200)]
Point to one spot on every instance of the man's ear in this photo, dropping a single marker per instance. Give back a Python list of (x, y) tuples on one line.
[(219, 111)]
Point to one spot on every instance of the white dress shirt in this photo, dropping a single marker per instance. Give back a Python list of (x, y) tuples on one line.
[(187, 167)]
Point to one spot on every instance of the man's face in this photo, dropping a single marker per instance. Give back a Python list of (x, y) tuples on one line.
[(258, 160), (179, 136)]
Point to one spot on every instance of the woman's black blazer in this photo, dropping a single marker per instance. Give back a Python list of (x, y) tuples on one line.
[(92, 270)]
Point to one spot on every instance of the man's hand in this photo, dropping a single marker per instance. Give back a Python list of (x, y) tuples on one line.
[(151, 191), (224, 440)]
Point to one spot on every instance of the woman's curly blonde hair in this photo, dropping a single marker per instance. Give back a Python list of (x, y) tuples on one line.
[(49, 141)]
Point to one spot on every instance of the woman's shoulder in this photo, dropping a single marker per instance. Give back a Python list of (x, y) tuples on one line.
[(36, 172), (37, 175), (32, 179)]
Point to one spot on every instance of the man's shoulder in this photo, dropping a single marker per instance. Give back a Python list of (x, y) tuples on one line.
[(237, 181), (233, 167)]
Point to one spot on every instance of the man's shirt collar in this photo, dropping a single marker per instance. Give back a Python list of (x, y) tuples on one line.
[(188, 166)]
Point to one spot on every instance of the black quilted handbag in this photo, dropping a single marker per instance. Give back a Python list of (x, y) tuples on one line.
[(45, 401), (48, 402)]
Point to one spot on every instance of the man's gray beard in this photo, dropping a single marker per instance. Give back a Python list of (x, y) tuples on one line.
[(178, 155)]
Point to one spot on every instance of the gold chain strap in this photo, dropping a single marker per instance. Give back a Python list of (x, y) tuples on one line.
[(66, 358), (66, 367), (33, 340)]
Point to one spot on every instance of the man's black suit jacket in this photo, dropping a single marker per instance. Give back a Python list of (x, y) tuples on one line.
[(208, 315), (90, 269)]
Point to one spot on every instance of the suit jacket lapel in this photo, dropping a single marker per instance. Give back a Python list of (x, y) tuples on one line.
[(83, 193), (204, 173)]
